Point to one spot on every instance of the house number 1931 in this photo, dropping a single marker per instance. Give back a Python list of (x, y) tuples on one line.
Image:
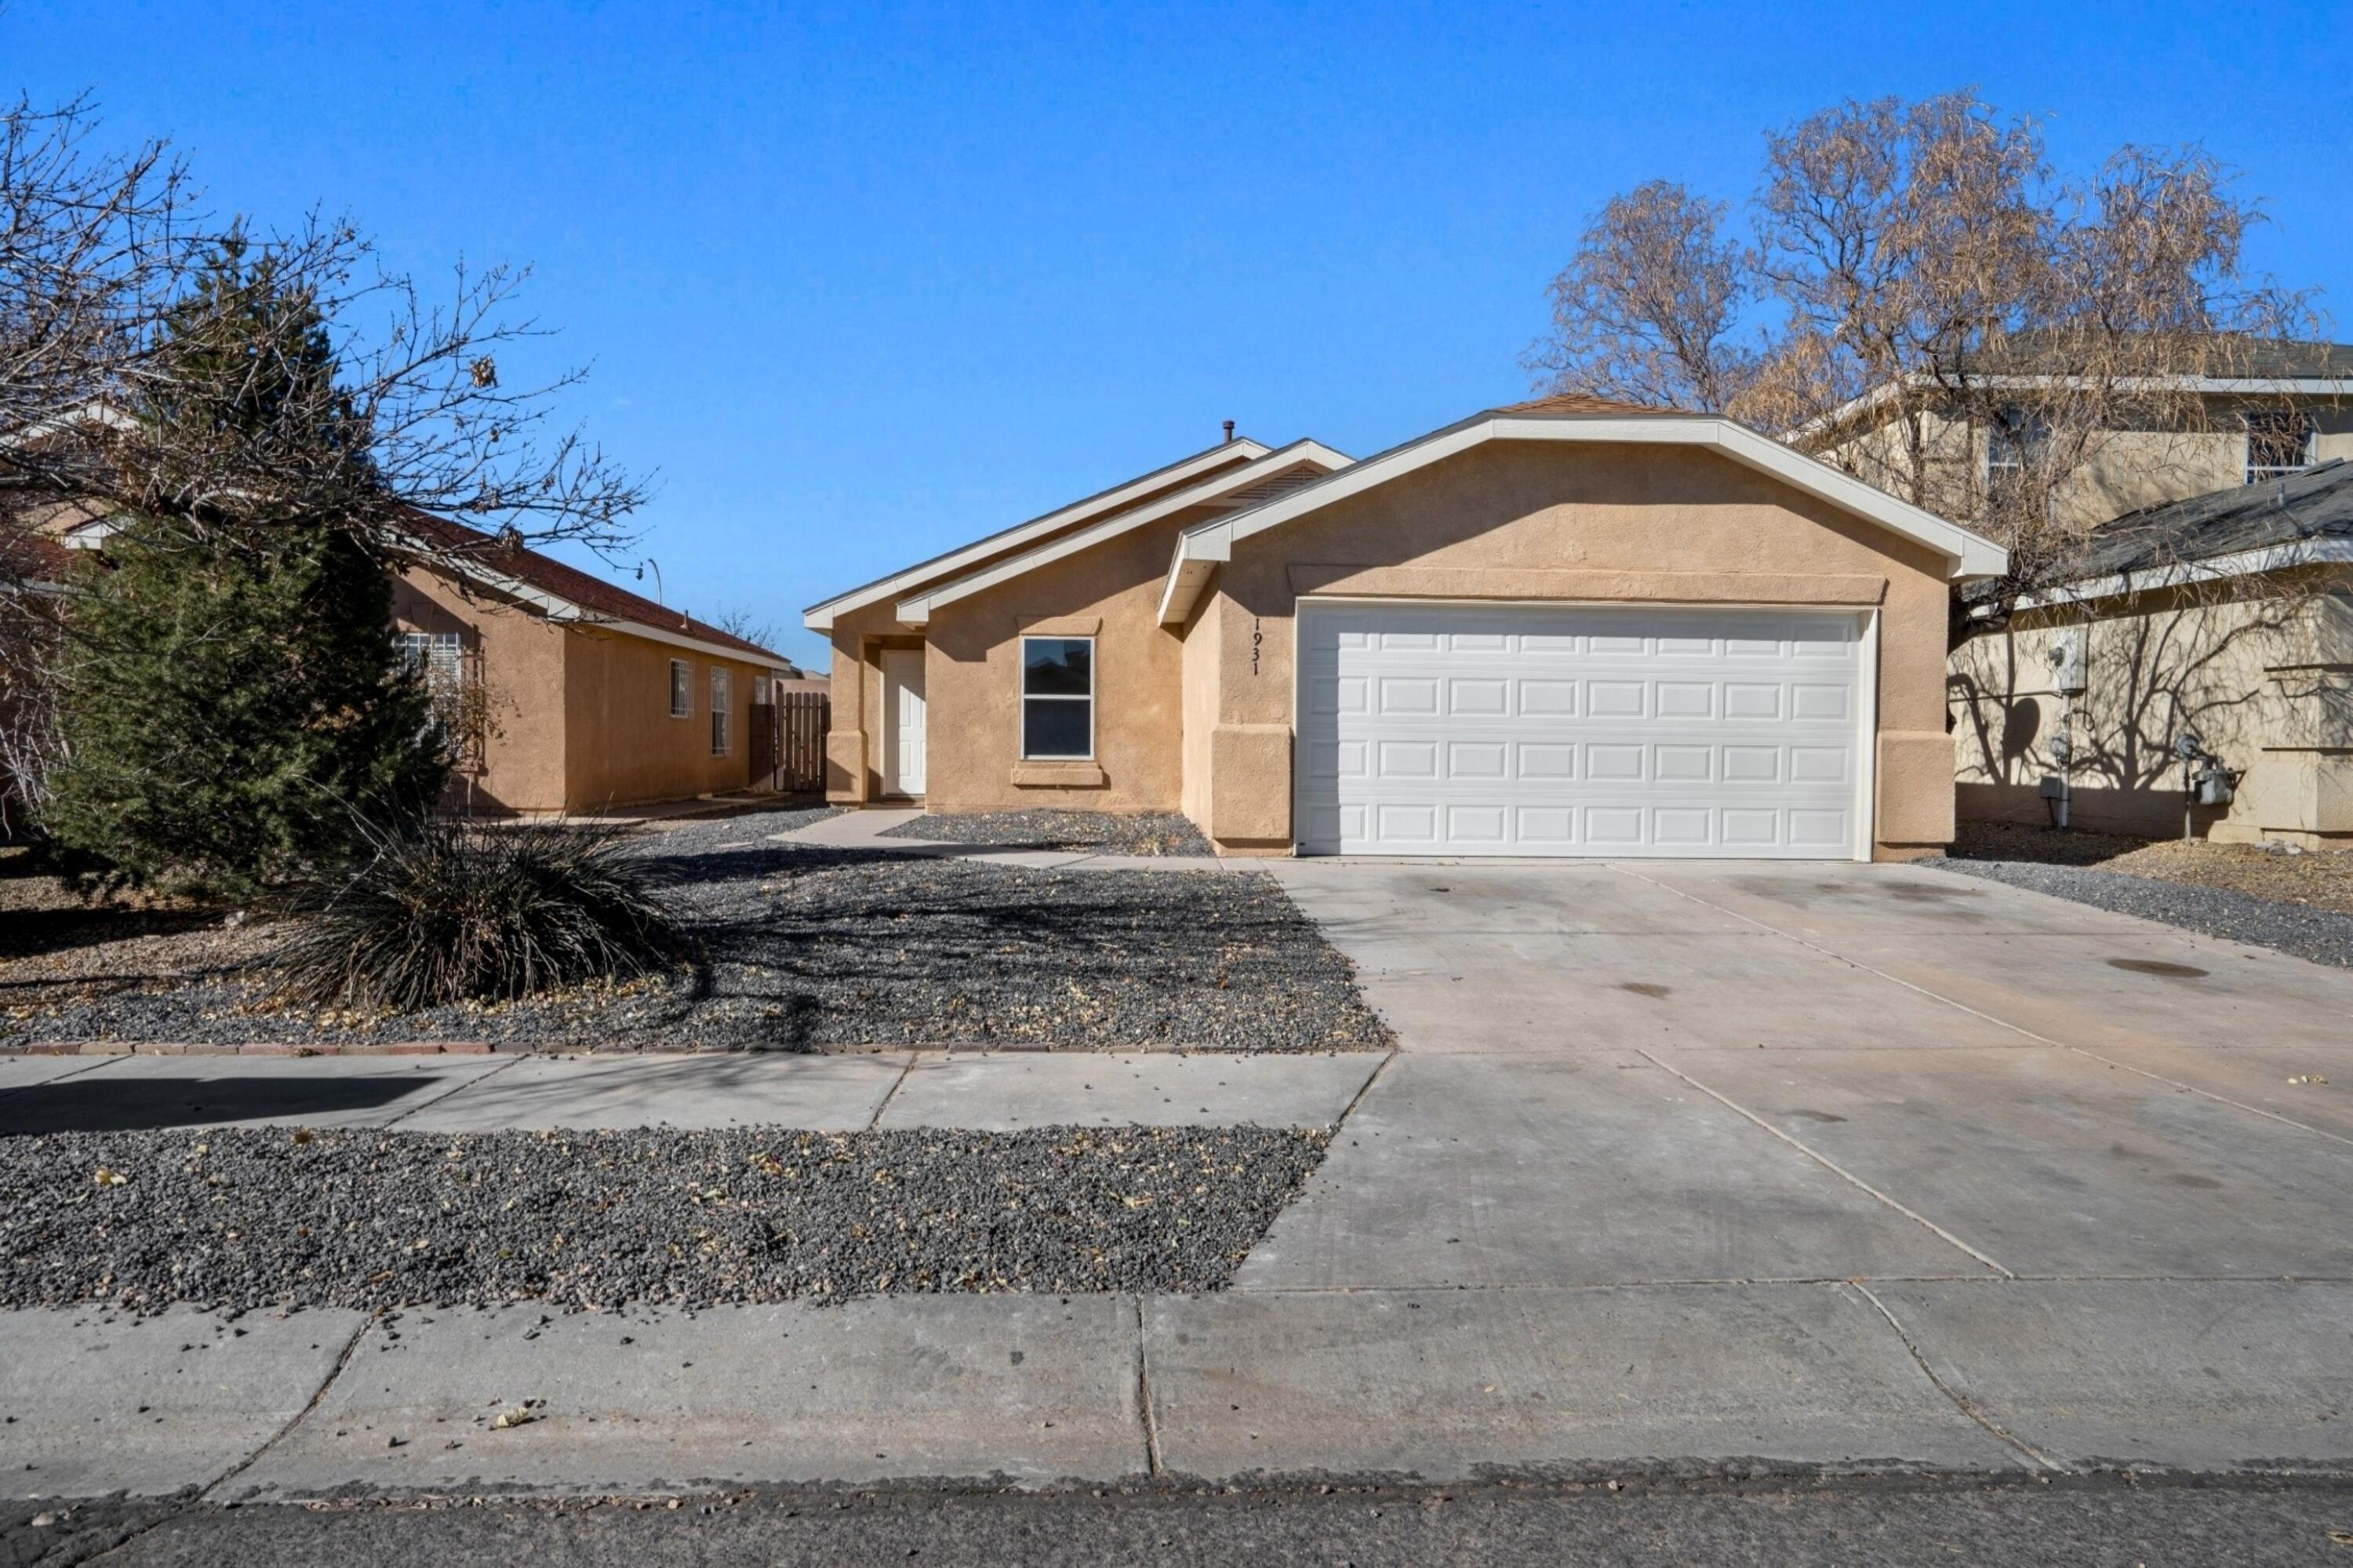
[(1257, 636)]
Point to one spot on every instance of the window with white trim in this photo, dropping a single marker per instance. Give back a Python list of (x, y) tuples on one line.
[(1058, 698), (719, 711), (2278, 444), (682, 689)]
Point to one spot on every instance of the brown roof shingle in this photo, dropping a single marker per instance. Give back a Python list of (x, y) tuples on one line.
[(1581, 403), (594, 594)]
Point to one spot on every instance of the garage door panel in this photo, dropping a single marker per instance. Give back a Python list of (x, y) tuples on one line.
[(1579, 730), (1617, 699), (1479, 697), (1476, 759)]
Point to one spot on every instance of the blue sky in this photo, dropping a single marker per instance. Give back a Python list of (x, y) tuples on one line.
[(863, 283)]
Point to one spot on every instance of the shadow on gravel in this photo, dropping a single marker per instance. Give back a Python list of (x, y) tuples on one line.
[(31, 933), (100, 1103), (799, 947)]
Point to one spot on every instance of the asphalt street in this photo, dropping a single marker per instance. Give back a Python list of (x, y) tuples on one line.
[(2086, 1522)]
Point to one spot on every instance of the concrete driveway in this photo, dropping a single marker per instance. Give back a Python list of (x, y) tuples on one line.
[(2091, 1171), (1618, 1075)]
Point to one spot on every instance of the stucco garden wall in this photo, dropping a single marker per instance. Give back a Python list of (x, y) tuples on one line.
[(2266, 682)]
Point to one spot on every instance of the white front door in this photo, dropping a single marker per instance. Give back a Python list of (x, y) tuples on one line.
[(1604, 730), (902, 721)]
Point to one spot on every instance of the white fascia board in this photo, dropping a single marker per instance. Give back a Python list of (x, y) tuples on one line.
[(2210, 385), (820, 617), (1968, 552), (2244, 564), (917, 611), (1187, 577), (96, 411)]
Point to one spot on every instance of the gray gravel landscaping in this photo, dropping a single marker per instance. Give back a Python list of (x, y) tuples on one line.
[(2323, 936), (804, 948), (1093, 832), (246, 1218)]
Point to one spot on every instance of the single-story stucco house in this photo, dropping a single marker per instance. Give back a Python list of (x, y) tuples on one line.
[(1568, 627), (571, 695), (2226, 617)]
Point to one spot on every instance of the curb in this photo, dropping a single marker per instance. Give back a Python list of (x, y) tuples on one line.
[(256, 1048)]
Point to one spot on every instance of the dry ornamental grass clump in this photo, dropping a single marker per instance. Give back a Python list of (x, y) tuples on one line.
[(461, 912)]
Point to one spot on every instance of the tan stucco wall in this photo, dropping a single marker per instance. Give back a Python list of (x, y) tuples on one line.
[(1109, 591), (622, 744), (2125, 467), (1199, 675), (854, 743), (2266, 682), (519, 658), (578, 718), (1527, 521), (1201, 722)]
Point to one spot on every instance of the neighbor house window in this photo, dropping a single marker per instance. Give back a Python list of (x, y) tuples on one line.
[(1058, 696), (682, 690), (2014, 442), (2277, 445), (719, 714), (438, 656)]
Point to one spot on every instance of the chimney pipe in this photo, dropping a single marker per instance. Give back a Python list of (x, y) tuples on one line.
[(1230, 430)]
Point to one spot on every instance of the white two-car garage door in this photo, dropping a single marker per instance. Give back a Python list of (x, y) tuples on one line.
[(1581, 730)]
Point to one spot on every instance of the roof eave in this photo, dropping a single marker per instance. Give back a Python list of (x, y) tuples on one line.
[(917, 611), (1968, 554), (820, 616)]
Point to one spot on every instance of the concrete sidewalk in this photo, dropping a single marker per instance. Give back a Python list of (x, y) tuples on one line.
[(1440, 1386), (833, 1093)]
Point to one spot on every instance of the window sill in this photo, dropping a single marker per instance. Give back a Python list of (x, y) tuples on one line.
[(1071, 774)]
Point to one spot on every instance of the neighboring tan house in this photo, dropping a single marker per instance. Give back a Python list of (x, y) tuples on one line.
[(1566, 626), (2227, 617), (571, 694), (566, 693), (2282, 406)]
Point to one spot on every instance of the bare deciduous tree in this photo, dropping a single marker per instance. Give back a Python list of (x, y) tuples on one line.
[(1648, 310), (739, 620), (98, 249), (1924, 303)]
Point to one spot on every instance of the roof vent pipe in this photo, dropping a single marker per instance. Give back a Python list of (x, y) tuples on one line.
[(1230, 430)]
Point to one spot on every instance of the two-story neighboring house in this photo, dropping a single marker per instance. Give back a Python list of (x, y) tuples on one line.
[(2193, 612)]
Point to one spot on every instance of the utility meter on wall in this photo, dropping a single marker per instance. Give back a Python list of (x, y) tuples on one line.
[(2067, 655)]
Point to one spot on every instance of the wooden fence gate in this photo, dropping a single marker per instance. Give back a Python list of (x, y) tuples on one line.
[(788, 742)]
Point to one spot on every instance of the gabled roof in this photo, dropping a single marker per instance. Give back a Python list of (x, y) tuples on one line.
[(567, 593), (2298, 519), (1278, 472), (820, 617), (1199, 549)]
